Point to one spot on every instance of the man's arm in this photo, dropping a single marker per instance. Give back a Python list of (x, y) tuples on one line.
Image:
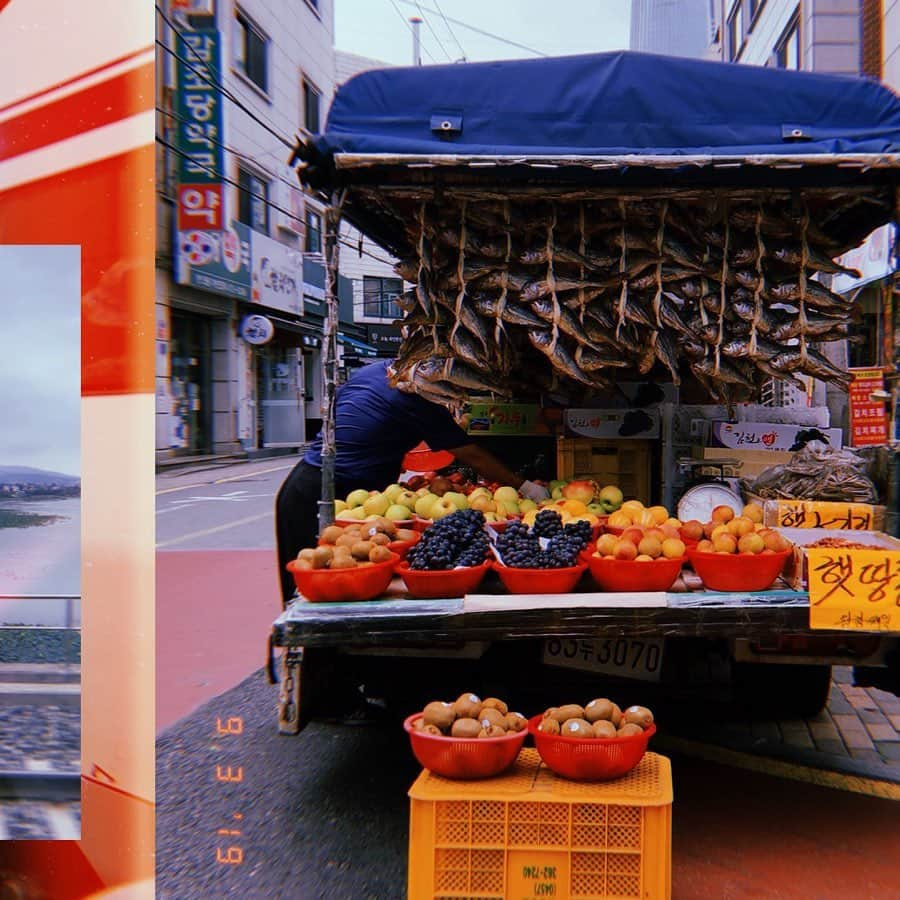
[(487, 465)]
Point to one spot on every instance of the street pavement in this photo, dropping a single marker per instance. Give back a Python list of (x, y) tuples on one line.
[(325, 814)]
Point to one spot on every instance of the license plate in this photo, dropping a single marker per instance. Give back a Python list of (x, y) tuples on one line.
[(622, 657)]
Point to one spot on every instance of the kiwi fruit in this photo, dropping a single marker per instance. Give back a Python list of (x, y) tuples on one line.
[(439, 713), (548, 713), (322, 556), (361, 549), (616, 717), (494, 716), (516, 722), (418, 724), (579, 728), (494, 703), (432, 729), (492, 731), (346, 540), (638, 715), (569, 711), (332, 533), (405, 534), (629, 729), (549, 726), (467, 706), (379, 539), (306, 554), (603, 728), (303, 565), (343, 562), (601, 708), (362, 563), (465, 728), (379, 554)]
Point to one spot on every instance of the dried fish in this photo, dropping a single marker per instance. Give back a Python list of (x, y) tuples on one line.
[(815, 260), (459, 374), (561, 357), (590, 360)]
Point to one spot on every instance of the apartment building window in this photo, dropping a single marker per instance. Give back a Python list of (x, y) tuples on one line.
[(251, 47), (253, 197), (313, 232), (312, 97), (787, 50), (380, 297), (736, 31)]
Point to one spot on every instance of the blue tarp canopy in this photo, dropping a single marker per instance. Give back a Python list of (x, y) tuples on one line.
[(609, 104)]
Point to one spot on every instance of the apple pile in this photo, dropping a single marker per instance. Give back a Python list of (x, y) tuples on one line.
[(599, 501), (394, 503), (727, 532)]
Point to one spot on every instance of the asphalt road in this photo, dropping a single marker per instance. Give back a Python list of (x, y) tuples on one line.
[(224, 507), (325, 815)]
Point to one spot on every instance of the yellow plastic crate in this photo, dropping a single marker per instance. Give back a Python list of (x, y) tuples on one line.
[(623, 463), (529, 833)]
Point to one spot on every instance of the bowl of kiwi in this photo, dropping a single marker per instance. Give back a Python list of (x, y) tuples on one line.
[(595, 742), (467, 739), (343, 574)]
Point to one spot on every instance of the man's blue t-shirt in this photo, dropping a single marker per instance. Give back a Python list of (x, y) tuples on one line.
[(376, 425)]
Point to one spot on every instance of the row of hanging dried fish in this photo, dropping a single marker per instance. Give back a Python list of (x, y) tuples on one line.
[(605, 290)]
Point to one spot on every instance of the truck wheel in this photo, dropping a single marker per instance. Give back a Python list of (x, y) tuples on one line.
[(781, 691)]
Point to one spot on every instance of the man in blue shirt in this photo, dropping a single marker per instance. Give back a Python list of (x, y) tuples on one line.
[(375, 426)]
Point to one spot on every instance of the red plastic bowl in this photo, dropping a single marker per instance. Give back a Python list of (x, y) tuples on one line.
[(344, 585), (589, 759), (401, 548), (738, 571), (634, 575), (430, 585), (464, 758), (540, 581)]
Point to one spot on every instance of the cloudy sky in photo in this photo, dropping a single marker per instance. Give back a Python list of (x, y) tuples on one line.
[(40, 357), (375, 28)]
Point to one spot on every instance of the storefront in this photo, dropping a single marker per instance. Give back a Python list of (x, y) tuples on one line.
[(190, 383)]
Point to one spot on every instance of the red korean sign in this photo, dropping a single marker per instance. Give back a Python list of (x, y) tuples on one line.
[(868, 421), (200, 206)]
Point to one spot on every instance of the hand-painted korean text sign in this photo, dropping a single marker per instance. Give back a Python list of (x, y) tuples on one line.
[(868, 420), (505, 418), (854, 590), (198, 109), (816, 514)]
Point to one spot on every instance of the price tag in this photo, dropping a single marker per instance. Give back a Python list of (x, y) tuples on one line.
[(816, 514), (854, 590)]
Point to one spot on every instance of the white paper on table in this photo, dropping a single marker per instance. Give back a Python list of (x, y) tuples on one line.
[(612, 600)]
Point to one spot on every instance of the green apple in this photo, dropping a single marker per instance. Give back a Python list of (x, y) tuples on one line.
[(526, 505), (611, 497), (376, 506), (598, 509), (482, 502), (441, 507), (392, 491), (491, 517), (357, 497), (397, 512), (406, 498), (511, 507), (353, 512), (339, 507), (556, 493), (506, 493), (480, 492), (460, 501), (423, 505), (557, 483)]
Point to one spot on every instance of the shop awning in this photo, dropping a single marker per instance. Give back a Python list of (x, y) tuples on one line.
[(358, 346)]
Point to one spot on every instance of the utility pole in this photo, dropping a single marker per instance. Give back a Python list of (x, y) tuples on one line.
[(416, 22)]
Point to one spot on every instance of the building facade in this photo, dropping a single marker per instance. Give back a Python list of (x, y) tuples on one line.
[(239, 274), (673, 27)]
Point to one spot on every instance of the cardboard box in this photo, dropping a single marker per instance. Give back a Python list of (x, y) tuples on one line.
[(752, 461), (795, 572), (765, 435)]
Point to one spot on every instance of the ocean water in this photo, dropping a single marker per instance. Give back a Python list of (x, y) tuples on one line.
[(40, 559)]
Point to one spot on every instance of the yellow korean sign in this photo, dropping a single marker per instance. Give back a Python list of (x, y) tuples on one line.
[(817, 514), (854, 590)]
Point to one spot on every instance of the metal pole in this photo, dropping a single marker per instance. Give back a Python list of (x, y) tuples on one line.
[(416, 23), (329, 450)]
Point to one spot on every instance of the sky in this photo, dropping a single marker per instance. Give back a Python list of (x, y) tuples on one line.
[(375, 28), (40, 357)]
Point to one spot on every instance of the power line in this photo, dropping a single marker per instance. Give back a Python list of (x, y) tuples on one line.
[(431, 29), (260, 197), (409, 26), (452, 33), (481, 31)]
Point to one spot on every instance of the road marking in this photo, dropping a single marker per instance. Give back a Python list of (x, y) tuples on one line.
[(766, 765), (215, 530), (203, 484)]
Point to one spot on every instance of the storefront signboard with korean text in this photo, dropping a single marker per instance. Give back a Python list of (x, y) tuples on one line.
[(868, 419), (505, 418), (822, 514), (215, 261), (277, 274), (854, 590)]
